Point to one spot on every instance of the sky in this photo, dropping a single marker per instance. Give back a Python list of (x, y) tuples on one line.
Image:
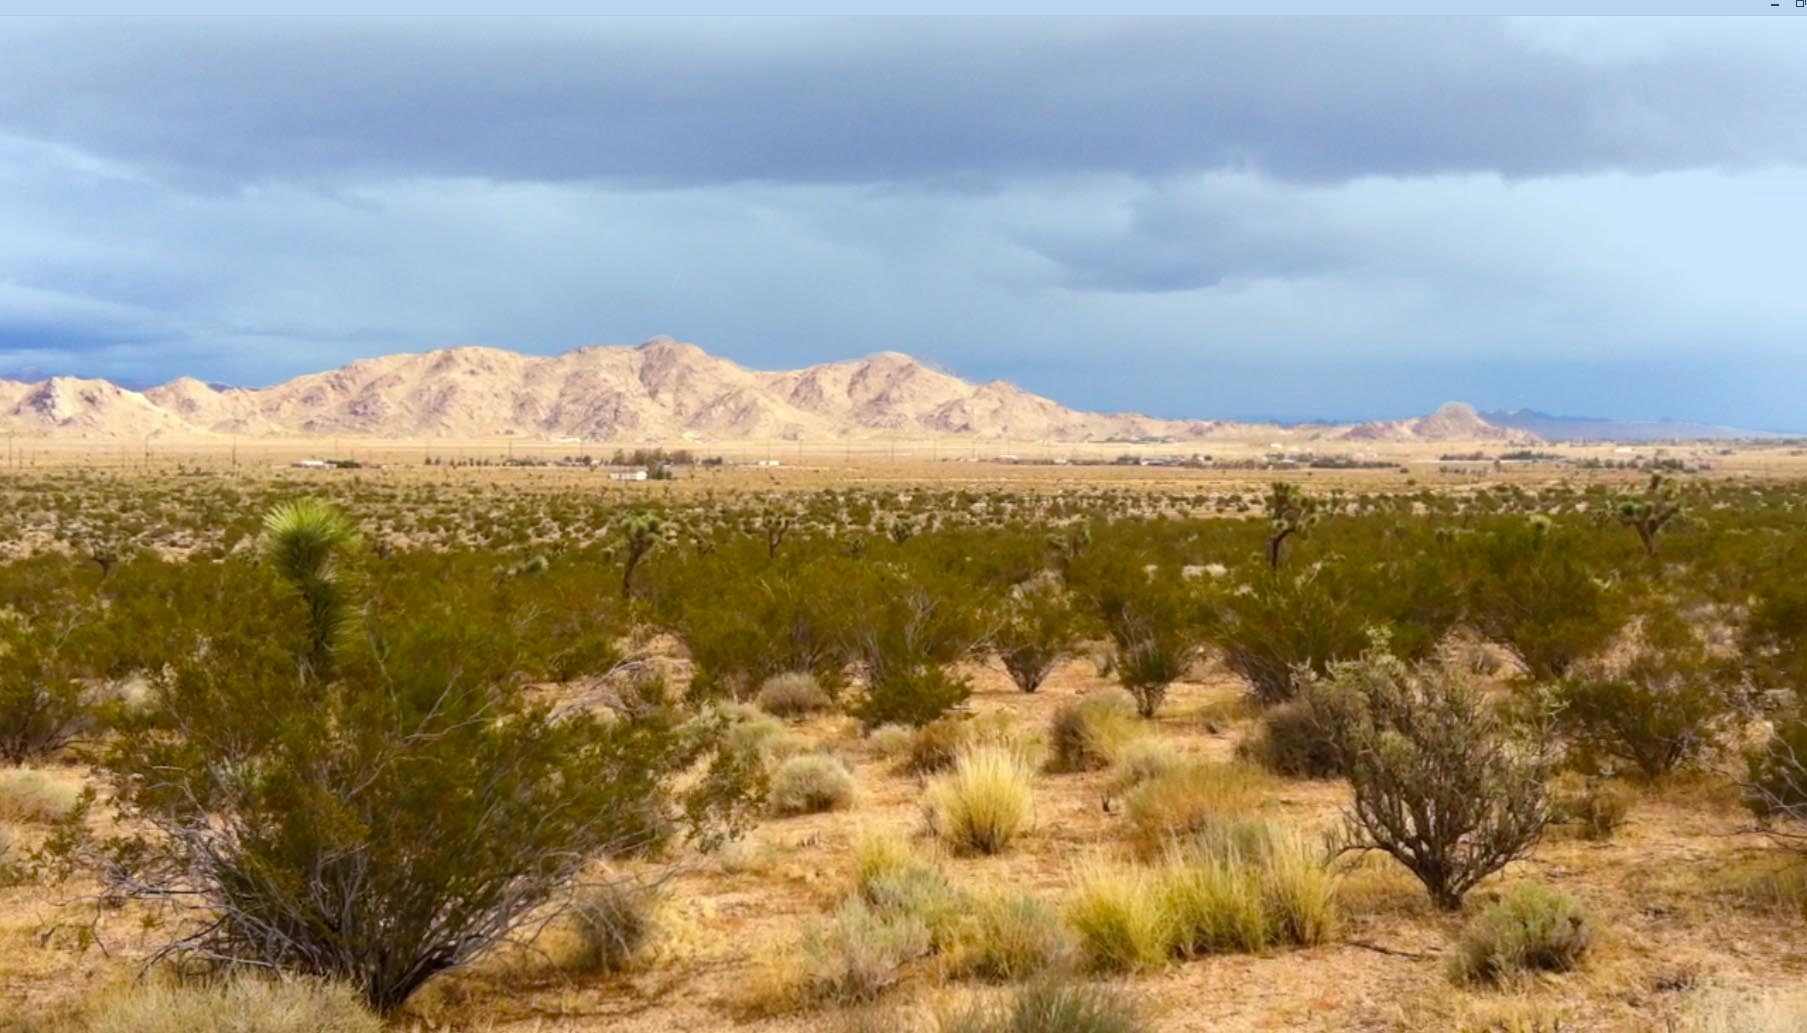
[(1233, 218)]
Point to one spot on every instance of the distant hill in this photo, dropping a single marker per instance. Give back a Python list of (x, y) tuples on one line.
[(662, 390), (1582, 428)]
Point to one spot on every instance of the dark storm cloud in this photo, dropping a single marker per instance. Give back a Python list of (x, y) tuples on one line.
[(217, 104)]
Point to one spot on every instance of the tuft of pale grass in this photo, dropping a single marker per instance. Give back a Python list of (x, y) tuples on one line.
[(809, 784), (240, 1006), (892, 742), (1185, 802), (1010, 937), (30, 795), (879, 852), (1117, 915), (1049, 1006), (1086, 735), (1299, 891), (985, 802), (1212, 905), (1143, 760)]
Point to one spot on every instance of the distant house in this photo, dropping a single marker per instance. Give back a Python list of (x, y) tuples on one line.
[(627, 475), (768, 462), (312, 464)]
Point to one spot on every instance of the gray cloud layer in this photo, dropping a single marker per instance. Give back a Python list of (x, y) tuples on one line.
[(1244, 216)]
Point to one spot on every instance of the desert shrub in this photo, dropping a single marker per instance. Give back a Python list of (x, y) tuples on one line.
[(913, 626), (912, 694), (1776, 784), (389, 809), (1156, 622), (1141, 760), (1438, 786), (1118, 918), (985, 802), (1286, 627), (1038, 630), (46, 654), (1532, 928), (936, 745), (893, 880), (240, 1006), (1595, 807), (1655, 708), (792, 694), (1187, 801), (29, 795), (860, 951), (1010, 937), (892, 741), (1086, 735), (1290, 740), (1050, 1007), (612, 923), (1529, 588), (810, 783)]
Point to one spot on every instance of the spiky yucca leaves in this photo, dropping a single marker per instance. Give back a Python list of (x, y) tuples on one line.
[(309, 544), (1651, 511), (639, 535), (1289, 512)]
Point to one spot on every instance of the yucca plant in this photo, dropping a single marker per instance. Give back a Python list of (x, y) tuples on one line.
[(310, 545)]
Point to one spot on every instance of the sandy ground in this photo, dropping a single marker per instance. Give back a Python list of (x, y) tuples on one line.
[(1664, 894)]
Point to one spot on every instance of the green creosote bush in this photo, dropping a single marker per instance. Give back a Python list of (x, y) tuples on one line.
[(1532, 929)]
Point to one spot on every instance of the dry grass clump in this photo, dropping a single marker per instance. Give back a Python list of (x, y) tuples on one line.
[(1246, 888), (935, 745), (29, 795), (809, 784), (752, 733), (1119, 918), (1594, 809), (1010, 937), (1532, 929), (985, 802), (1184, 802), (241, 1006), (792, 694), (1086, 735), (1143, 760), (889, 876), (1050, 1007), (612, 923), (892, 742), (1291, 741), (859, 952)]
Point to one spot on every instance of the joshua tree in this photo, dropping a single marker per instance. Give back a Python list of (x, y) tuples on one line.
[(307, 543), (641, 533), (775, 526), (1289, 511), (1647, 514)]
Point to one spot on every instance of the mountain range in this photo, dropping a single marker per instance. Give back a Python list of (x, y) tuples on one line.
[(662, 390)]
